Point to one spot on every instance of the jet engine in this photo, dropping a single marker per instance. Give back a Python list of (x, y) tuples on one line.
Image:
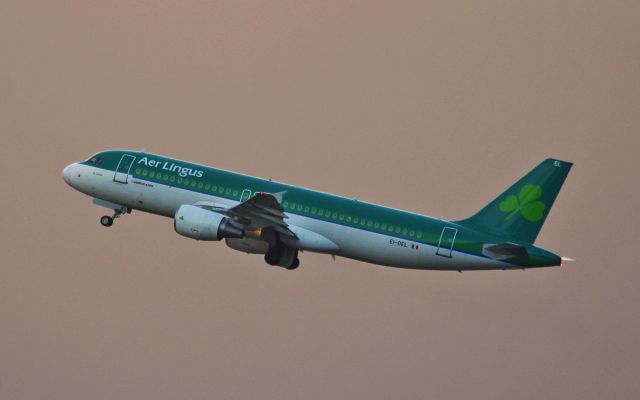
[(200, 224)]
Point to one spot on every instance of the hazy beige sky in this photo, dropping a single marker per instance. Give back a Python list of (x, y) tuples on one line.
[(434, 107)]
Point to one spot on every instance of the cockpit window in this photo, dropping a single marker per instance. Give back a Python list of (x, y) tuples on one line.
[(95, 160)]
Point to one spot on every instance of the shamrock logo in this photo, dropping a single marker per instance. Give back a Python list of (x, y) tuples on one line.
[(526, 203)]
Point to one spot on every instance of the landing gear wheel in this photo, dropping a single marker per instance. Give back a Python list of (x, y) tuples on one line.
[(117, 213), (106, 221), (271, 259), (295, 264)]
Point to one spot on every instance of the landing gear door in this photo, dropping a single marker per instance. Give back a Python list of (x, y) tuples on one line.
[(445, 245), (122, 170)]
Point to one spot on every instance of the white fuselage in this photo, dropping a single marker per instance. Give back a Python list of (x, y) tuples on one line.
[(352, 242)]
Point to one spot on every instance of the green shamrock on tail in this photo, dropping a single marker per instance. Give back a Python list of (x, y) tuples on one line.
[(527, 203)]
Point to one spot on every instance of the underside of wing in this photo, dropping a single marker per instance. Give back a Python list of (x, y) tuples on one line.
[(260, 211), (262, 221)]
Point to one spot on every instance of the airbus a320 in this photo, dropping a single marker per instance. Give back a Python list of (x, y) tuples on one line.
[(277, 220)]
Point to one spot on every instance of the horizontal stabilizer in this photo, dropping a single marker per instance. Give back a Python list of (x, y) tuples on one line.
[(504, 251)]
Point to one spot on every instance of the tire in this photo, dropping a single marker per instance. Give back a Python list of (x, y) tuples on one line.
[(271, 258), (295, 264), (106, 221)]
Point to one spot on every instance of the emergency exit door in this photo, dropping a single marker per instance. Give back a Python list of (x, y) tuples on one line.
[(445, 245)]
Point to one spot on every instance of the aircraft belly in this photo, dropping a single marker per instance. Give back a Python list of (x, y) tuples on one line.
[(360, 244), (383, 249)]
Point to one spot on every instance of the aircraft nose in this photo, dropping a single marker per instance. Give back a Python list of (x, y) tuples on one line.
[(66, 173)]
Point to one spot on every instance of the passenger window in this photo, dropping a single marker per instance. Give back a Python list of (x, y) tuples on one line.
[(306, 209), (384, 227), (235, 193), (285, 204), (214, 188), (187, 182), (200, 185), (152, 174), (363, 222), (419, 235), (194, 184), (137, 171), (179, 181), (221, 190), (172, 179), (314, 211), (397, 229), (293, 206), (412, 233), (165, 177), (227, 192), (341, 217), (207, 187), (355, 220), (390, 228), (299, 207), (377, 225), (348, 218), (404, 231), (369, 223)]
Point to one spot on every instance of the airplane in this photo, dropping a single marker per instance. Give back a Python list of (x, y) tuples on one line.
[(277, 220)]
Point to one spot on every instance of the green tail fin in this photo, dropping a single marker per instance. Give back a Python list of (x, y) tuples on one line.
[(518, 213)]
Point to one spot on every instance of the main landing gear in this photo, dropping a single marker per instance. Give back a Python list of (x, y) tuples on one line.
[(107, 221), (282, 256), (279, 254)]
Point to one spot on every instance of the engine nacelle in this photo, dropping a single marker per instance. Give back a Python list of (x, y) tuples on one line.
[(200, 224)]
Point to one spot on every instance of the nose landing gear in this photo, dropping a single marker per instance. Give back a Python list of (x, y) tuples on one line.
[(107, 221)]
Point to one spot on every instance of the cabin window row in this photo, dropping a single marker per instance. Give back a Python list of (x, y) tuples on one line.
[(290, 206), (352, 220), (187, 182)]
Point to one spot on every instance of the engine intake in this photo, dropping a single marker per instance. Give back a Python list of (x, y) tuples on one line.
[(200, 224)]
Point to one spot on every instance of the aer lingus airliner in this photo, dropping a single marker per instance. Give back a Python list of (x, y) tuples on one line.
[(261, 216)]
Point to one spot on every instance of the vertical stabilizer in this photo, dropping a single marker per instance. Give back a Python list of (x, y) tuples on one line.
[(519, 213)]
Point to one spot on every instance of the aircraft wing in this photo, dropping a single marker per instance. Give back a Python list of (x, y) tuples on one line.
[(260, 211)]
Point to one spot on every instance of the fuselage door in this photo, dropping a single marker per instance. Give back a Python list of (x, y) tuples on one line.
[(445, 245), (246, 195), (122, 170)]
